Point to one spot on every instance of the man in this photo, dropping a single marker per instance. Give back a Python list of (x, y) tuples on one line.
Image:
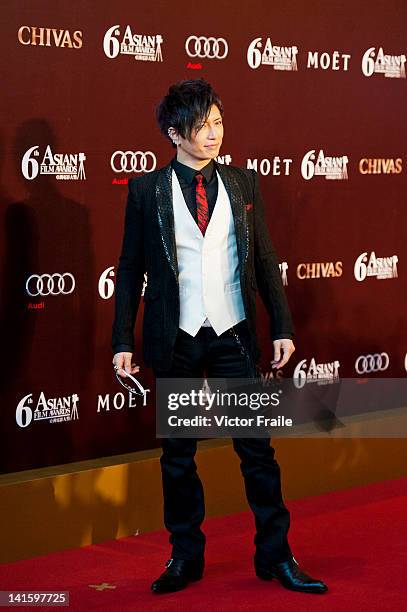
[(198, 229)]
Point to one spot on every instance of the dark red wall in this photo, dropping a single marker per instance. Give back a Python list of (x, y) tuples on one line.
[(60, 89)]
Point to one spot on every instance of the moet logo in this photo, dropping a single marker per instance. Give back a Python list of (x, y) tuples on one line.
[(265, 166), (118, 401)]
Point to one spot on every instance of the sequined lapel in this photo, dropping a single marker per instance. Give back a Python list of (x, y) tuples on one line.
[(237, 203), (165, 209)]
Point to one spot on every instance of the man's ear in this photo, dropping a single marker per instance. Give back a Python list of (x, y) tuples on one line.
[(172, 133)]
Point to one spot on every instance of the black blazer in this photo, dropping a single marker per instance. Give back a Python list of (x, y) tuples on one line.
[(149, 246)]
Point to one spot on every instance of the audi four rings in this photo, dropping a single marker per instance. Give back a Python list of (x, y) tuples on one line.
[(210, 48), (133, 161), (50, 284), (365, 364)]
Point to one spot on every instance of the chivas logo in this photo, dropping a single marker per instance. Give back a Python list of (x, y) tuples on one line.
[(49, 37), (329, 269), (380, 166)]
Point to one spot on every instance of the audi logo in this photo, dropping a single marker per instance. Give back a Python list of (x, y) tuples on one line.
[(50, 284), (378, 362), (211, 48), (133, 161)]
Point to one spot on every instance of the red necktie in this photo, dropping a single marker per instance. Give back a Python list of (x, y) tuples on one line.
[(201, 204)]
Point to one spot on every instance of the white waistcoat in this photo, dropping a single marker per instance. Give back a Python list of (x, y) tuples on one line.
[(208, 266)]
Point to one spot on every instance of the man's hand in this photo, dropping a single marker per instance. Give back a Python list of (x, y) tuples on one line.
[(283, 349), (124, 364)]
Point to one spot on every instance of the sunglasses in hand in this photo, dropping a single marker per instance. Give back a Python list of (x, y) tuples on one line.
[(134, 387)]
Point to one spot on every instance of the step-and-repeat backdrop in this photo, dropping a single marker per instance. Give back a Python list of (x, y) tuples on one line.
[(315, 98)]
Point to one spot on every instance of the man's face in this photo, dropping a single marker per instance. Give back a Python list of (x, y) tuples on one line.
[(205, 140)]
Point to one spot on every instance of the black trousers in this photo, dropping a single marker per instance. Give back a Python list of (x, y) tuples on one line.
[(184, 507)]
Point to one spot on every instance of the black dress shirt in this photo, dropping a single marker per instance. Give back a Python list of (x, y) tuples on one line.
[(186, 177)]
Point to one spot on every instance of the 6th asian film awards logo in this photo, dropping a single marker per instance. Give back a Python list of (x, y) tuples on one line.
[(145, 48), (380, 267), (53, 410), (64, 166), (318, 164), (391, 66), (314, 372), (276, 56)]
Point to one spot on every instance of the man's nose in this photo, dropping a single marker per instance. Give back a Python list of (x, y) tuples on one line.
[(212, 133)]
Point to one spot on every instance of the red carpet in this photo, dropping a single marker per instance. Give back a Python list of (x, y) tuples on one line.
[(354, 540)]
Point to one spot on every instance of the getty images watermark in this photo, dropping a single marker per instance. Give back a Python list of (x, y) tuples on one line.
[(244, 408), (217, 408), (225, 400)]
